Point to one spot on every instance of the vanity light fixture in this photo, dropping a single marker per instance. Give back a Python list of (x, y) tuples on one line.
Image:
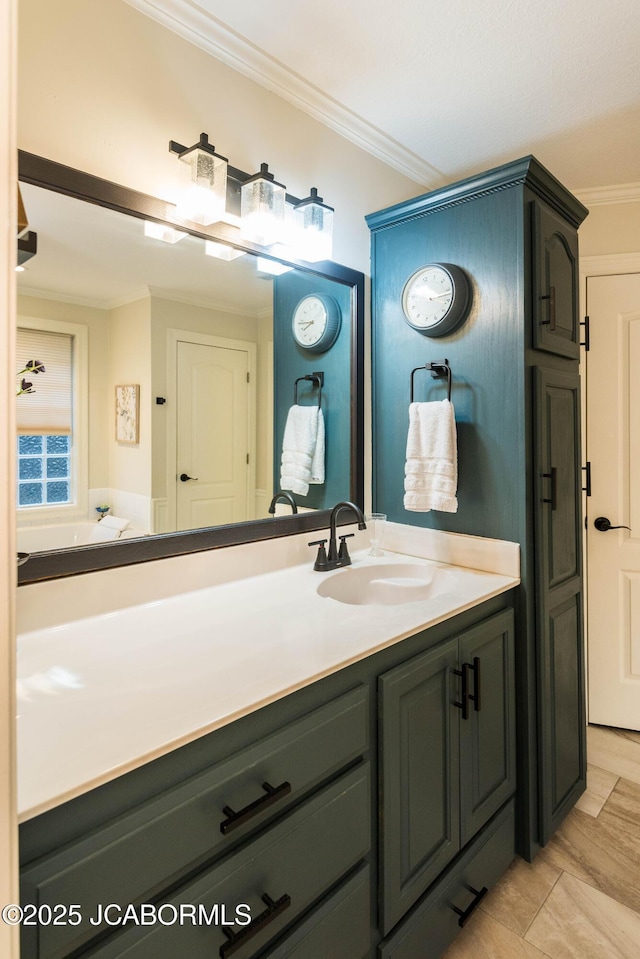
[(268, 214), (262, 208), (314, 227), (204, 200), (161, 231), (221, 251)]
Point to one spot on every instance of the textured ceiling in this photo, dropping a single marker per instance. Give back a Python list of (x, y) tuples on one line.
[(444, 89)]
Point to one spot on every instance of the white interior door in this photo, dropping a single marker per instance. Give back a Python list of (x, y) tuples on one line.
[(212, 443), (613, 447)]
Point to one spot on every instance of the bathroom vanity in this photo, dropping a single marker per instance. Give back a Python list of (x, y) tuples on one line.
[(341, 773)]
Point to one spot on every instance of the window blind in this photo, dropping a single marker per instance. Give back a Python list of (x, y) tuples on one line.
[(49, 409)]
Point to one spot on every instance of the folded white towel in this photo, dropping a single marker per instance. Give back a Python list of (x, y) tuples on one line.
[(431, 470), (100, 534), (114, 522), (302, 449)]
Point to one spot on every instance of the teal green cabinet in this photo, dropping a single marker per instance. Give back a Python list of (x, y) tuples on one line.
[(559, 593), (556, 326), (447, 906), (514, 365), (447, 740)]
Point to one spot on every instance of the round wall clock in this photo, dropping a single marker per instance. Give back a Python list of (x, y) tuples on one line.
[(316, 322), (436, 298)]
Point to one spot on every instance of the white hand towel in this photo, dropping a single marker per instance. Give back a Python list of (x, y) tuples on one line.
[(302, 449), (431, 470), (114, 522), (102, 535)]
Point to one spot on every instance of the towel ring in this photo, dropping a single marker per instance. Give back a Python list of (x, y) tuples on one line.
[(317, 378), (439, 369)]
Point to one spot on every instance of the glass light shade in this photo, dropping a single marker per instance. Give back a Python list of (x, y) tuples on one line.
[(204, 200), (221, 251), (160, 231), (314, 228), (264, 265), (262, 206)]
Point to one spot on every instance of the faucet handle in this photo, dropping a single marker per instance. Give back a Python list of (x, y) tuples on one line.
[(343, 554), (321, 562)]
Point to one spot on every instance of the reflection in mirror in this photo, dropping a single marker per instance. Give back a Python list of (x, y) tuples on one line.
[(184, 371)]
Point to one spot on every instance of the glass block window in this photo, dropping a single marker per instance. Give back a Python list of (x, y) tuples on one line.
[(44, 470)]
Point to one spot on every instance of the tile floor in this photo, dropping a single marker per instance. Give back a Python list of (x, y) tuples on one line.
[(580, 898)]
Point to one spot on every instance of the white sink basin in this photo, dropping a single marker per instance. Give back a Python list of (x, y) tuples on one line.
[(388, 584)]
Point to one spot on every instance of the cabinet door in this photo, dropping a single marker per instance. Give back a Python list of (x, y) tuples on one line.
[(419, 776), (556, 326), (562, 728), (487, 736)]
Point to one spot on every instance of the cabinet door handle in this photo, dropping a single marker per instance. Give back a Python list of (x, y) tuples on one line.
[(464, 914), (475, 699), (551, 322), (464, 705), (235, 819), (235, 940), (554, 488)]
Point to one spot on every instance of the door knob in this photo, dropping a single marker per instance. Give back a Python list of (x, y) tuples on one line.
[(184, 477), (603, 525)]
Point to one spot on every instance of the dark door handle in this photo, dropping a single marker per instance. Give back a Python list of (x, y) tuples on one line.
[(464, 699), (235, 819), (464, 914), (603, 525), (553, 476), (235, 940), (184, 478)]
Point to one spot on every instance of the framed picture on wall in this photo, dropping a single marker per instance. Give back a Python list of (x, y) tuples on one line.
[(127, 414)]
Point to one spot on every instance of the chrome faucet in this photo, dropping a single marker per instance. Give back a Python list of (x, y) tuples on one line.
[(336, 558), (285, 496)]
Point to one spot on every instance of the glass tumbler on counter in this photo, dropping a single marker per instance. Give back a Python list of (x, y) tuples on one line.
[(375, 524)]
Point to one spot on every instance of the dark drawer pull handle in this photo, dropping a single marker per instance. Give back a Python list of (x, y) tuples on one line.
[(235, 819), (475, 699), (465, 914), (237, 939), (551, 322), (554, 488), (464, 704)]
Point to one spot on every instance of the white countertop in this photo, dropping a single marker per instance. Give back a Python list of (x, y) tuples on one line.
[(102, 694)]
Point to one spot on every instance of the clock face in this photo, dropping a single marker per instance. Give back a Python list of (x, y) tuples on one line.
[(435, 298), (316, 322)]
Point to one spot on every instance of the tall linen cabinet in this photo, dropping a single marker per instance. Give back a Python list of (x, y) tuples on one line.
[(516, 393)]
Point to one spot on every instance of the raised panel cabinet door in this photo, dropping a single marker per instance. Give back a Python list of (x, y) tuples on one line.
[(559, 638), (558, 504), (419, 776), (562, 724), (556, 324), (487, 735)]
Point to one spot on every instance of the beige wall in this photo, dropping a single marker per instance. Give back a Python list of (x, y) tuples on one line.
[(104, 88), (610, 228), (8, 172), (129, 363)]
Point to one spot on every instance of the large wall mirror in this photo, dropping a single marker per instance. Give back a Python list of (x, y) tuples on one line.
[(157, 380)]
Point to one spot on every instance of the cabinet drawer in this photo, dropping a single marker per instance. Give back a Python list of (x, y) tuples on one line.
[(434, 923), (341, 925), (141, 853), (299, 859)]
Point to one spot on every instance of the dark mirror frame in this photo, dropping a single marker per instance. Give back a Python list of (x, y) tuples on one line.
[(54, 564)]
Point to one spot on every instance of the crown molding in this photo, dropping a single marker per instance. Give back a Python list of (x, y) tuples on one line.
[(187, 19), (179, 296), (603, 195)]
